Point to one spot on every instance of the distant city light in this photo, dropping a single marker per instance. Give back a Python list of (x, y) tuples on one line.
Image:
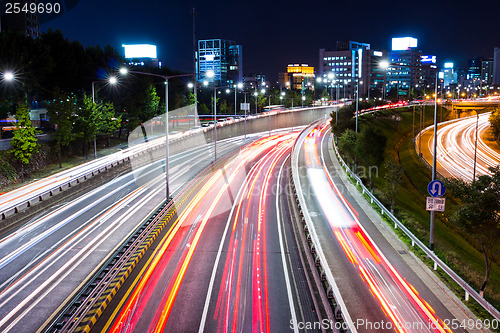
[(140, 51), (403, 43), (448, 65), (377, 53)]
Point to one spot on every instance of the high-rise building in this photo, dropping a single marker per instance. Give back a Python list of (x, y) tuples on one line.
[(429, 72), (25, 22), (349, 65), (224, 57), (298, 77), (474, 71), (404, 73), (487, 71), (496, 66)]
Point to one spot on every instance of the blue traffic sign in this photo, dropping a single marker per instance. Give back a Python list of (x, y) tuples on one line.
[(436, 188)]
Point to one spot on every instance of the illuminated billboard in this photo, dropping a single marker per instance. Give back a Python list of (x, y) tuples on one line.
[(140, 51), (429, 59), (448, 65), (403, 43)]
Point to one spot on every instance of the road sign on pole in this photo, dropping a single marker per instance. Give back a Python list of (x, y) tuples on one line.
[(245, 106), (435, 204), (436, 188)]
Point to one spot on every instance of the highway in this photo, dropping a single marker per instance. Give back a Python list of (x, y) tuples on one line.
[(456, 146), (226, 263), (44, 262), (374, 289)]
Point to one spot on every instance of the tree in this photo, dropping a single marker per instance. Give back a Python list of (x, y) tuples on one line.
[(151, 104), (24, 142), (61, 112), (394, 178), (370, 146), (87, 122), (495, 123), (108, 122), (478, 215), (347, 144)]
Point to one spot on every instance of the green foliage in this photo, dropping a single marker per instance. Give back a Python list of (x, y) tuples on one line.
[(62, 112), (151, 104), (393, 175), (87, 120), (108, 121), (95, 119), (222, 108), (370, 146), (203, 109), (24, 142), (495, 123), (478, 213), (347, 144)]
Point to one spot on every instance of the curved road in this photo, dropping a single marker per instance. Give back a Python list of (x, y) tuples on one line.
[(378, 288), (456, 146)]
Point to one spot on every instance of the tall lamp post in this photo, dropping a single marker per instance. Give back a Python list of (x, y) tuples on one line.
[(209, 74), (434, 166), (236, 87), (205, 83)]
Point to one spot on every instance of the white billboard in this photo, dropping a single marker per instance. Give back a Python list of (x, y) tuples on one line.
[(403, 43), (140, 51)]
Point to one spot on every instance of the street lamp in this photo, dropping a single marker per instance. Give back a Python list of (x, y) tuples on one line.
[(239, 86), (8, 76), (208, 74)]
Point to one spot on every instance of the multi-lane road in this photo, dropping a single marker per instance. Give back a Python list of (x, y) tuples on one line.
[(457, 145), (45, 261), (376, 285), (227, 262)]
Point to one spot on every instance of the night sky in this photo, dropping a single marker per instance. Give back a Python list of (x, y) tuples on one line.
[(277, 32)]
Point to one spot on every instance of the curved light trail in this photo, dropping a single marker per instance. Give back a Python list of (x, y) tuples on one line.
[(402, 305), (456, 146), (239, 296)]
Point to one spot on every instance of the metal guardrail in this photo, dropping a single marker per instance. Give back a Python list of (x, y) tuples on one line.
[(38, 197), (469, 291)]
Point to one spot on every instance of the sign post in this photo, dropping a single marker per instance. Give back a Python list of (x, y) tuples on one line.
[(246, 107)]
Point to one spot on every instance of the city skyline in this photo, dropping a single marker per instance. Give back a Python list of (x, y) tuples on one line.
[(273, 35)]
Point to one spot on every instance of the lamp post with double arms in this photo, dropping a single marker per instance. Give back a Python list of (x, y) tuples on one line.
[(166, 78)]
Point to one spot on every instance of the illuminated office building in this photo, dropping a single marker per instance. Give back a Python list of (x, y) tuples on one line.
[(345, 63), (25, 22), (224, 57), (404, 73), (298, 77)]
